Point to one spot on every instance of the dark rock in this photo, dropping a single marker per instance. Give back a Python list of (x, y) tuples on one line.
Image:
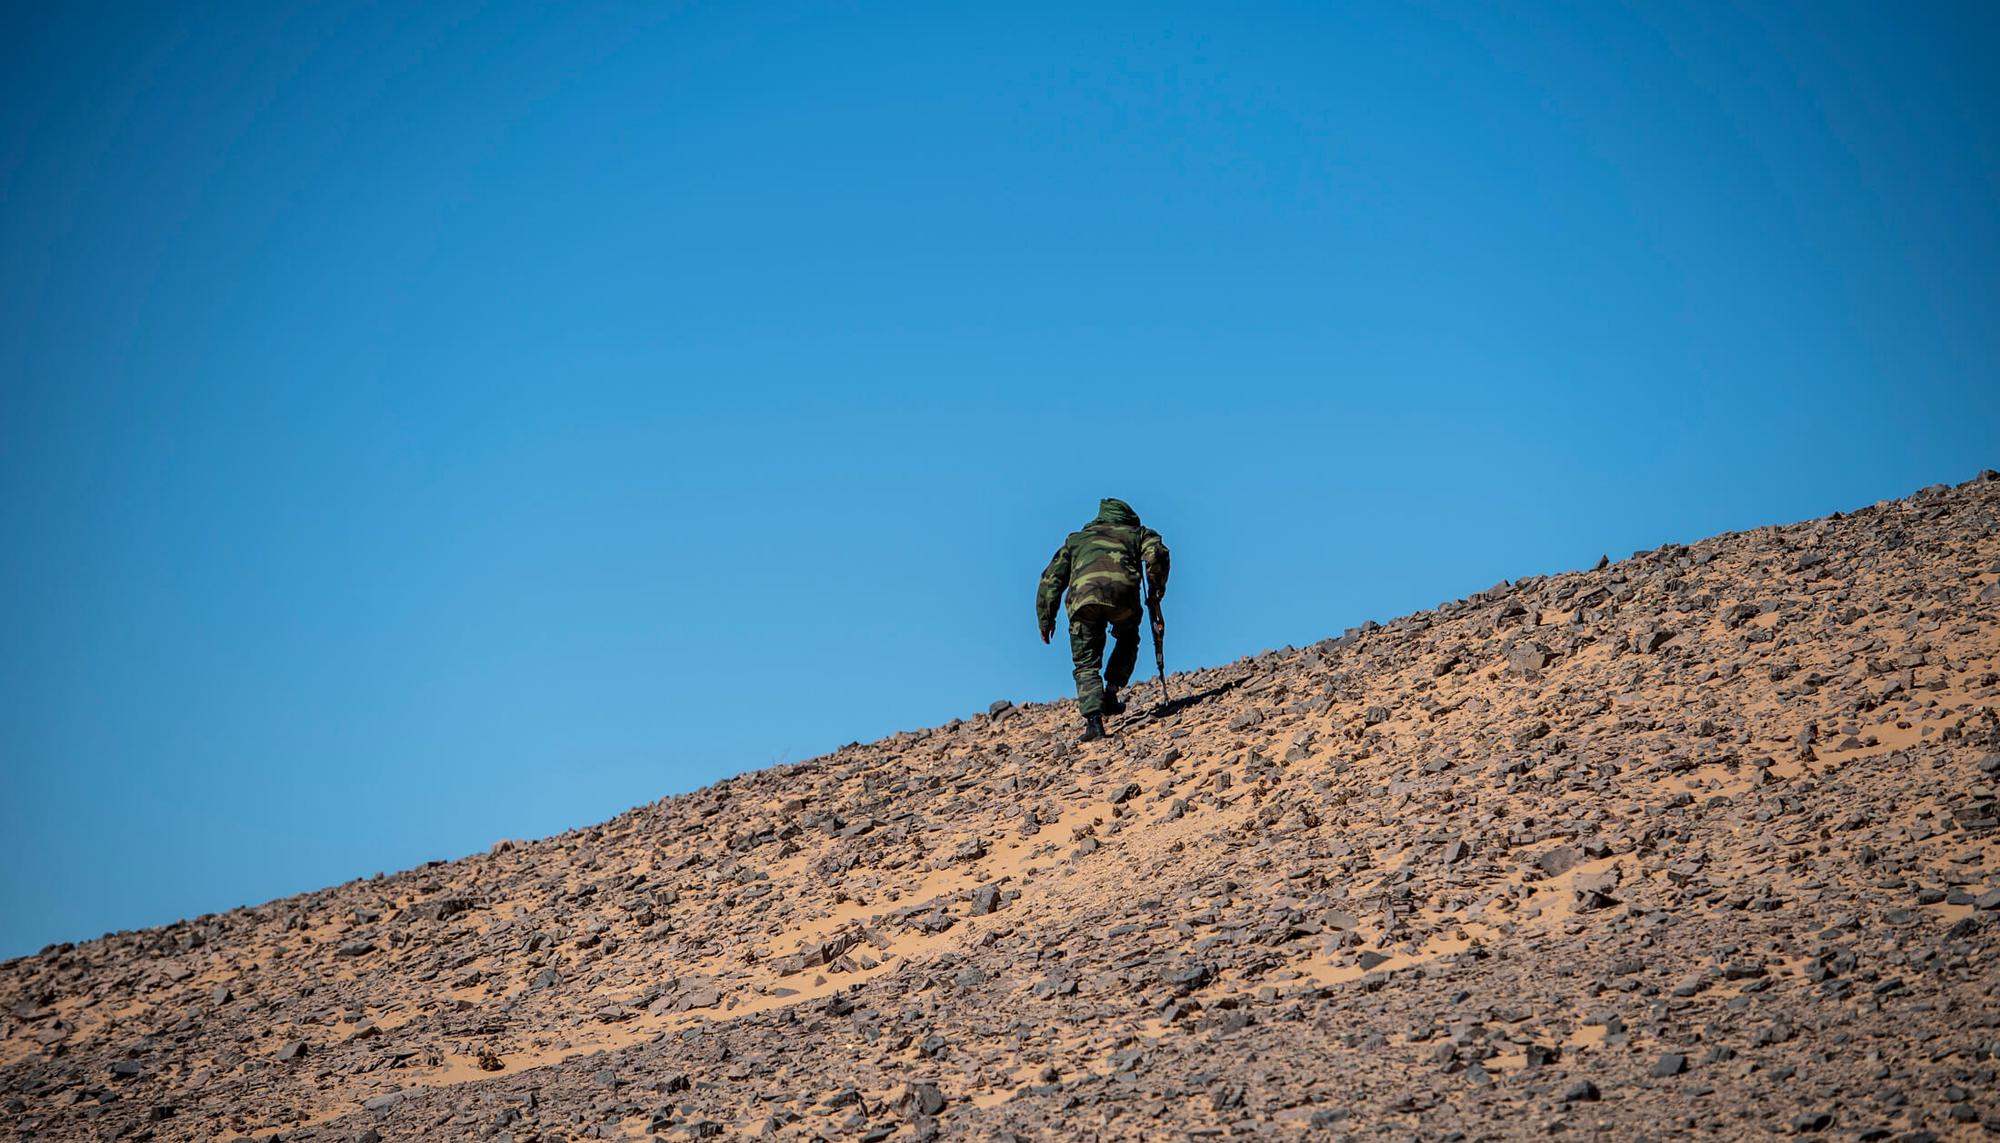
[(923, 1099), (1527, 658), (1186, 976), (443, 909), (1054, 986), (985, 899), (1559, 860), (1530, 733)]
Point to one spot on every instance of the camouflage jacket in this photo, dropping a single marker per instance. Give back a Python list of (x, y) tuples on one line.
[(1100, 564)]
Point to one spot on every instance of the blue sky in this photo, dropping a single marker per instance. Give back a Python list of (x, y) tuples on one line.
[(427, 424)]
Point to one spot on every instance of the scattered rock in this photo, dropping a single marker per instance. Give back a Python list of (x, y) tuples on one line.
[(1527, 658), (923, 1099), (1559, 860), (1720, 794)]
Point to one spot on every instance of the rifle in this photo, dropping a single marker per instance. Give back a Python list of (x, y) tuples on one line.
[(1159, 623), (1159, 652), (1159, 626)]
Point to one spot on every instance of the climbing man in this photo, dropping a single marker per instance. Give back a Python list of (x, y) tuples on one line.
[(1100, 566)]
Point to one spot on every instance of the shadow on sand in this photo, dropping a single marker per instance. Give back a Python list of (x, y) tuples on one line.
[(1178, 704)]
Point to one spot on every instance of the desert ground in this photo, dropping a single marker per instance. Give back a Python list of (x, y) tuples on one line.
[(1697, 843)]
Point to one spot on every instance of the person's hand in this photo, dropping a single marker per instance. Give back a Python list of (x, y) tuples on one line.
[(1047, 630)]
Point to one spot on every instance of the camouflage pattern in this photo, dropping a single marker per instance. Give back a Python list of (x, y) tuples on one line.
[(1086, 652), (1099, 566)]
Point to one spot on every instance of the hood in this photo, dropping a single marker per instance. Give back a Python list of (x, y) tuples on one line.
[(1116, 512)]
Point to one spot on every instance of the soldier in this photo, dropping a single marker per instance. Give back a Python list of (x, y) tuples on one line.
[(1100, 566)]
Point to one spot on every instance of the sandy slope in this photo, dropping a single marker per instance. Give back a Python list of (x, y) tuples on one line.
[(1701, 842)]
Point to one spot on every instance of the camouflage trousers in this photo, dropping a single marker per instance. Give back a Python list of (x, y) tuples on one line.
[(1086, 650)]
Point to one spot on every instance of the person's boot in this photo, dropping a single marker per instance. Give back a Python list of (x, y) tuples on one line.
[(1093, 728), (1111, 703)]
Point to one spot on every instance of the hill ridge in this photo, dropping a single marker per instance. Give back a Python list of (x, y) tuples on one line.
[(1599, 850)]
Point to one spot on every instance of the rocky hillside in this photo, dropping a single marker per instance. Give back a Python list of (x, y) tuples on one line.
[(1701, 842)]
